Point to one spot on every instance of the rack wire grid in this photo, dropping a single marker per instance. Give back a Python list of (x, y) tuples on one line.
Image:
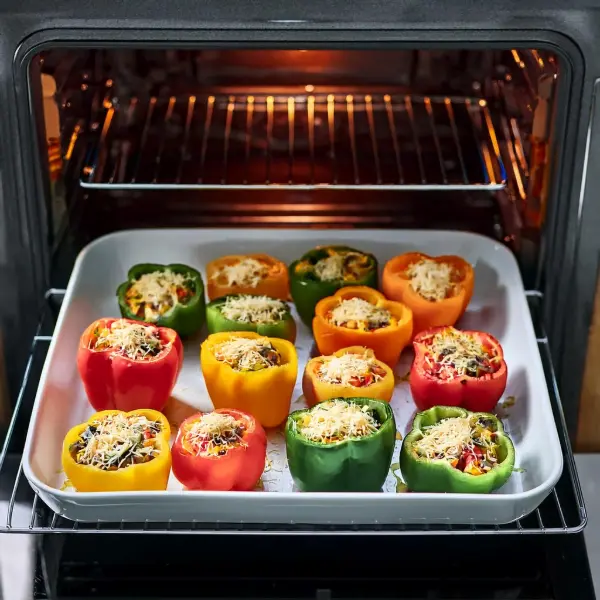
[(562, 512), (333, 141)]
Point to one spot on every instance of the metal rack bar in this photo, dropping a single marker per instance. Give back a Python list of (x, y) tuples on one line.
[(564, 506), (462, 156)]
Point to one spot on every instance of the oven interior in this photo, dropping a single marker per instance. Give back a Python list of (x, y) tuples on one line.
[(458, 139)]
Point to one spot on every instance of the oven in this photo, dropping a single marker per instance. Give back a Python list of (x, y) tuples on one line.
[(345, 115)]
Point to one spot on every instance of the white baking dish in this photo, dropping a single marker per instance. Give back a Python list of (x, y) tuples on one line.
[(498, 306)]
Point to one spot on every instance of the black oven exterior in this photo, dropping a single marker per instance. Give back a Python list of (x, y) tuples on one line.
[(570, 243)]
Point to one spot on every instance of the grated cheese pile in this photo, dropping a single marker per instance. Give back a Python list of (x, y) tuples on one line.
[(343, 369), (332, 268), (336, 420), (116, 440), (432, 280), (247, 272), (455, 353), (253, 309), (446, 439), (157, 290), (359, 310), (244, 354), (214, 433), (133, 340)]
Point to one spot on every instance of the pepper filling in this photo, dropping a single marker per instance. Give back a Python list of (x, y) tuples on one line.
[(244, 354), (337, 420), (154, 294), (116, 442), (433, 280), (213, 434), (338, 266), (354, 370), (469, 444), (247, 272), (356, 313), (246, 308), (133, 340), (451, 353)]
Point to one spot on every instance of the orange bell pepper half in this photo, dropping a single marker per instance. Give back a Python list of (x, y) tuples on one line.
[(376, 381), (258, 274), (427, 311), (387, 338), (266, 394)]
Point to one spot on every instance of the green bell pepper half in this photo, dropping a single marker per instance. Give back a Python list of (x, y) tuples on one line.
[(359, 464), (307, 289), (216, 322), (427, 475), (185, 318)]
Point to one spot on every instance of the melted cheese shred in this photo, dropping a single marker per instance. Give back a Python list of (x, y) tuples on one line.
[(341, 370), (246, 354), (133, 340), (214, 432), (431, 279), (358, 310), (332, 268), (158, 287), (117, 438), (336, 420), (445, 440), (458, 354), (253, 309), (247, 272)]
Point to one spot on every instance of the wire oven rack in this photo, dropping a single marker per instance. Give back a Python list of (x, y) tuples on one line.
[(335, 141), (22, 511)]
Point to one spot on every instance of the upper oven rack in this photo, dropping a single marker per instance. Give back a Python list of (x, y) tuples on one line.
[(343, 141), (22, 511)]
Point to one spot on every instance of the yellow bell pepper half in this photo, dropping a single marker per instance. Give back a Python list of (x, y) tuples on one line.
[(147, 476), (265, 394)]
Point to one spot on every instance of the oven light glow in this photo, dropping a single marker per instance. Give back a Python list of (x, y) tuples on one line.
[(309, 88)]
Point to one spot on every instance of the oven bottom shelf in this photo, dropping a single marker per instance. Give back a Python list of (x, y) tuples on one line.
[(21, 510)]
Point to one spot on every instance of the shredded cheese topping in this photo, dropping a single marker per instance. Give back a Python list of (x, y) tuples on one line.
[(117, 441), (334, 267), (350, 370), (247, 354), (253, 309), (355, 311), (136, 341), (337, 420), (455, 354), (468, 443), (214, 433), (431, 279), (247, 272)]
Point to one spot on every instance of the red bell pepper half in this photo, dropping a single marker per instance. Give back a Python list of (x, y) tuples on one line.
[(224, 450), (457, 368), (128, 365)]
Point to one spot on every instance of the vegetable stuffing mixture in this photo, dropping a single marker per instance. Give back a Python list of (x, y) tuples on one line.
[(356, 313), (213, 434), (354, 370), (133, 340), (338, 266), (247, 354)]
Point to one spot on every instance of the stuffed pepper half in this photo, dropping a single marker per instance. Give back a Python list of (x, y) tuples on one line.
[(258, 274), (246, 312), (349, 373), (453, 450), (251, 373), (165, 295), (323, 271), (457, 368), (437, 289), (128, 365), (341, 445), (115, 451), (361, 316), (224, 450)]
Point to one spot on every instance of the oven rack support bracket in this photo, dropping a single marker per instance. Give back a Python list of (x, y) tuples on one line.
[(562, 512)]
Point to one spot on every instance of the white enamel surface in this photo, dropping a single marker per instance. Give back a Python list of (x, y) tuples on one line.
[(498, 306)]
